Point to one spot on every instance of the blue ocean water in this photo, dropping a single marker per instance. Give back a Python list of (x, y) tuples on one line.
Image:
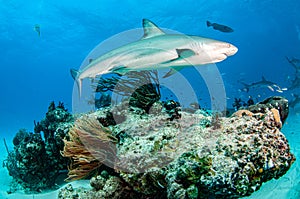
[(35, 69), (35, 64)]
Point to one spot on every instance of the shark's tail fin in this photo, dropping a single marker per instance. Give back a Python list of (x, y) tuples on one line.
[(208, 23), (75, 75), (246, 86), (295, 95)]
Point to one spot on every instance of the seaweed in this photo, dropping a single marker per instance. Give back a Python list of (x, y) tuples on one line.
[(140, 88)]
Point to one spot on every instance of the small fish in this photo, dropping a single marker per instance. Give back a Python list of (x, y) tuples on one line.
[(278, 89), (37, 28), (219, 27), (276, 86), (270, 88)]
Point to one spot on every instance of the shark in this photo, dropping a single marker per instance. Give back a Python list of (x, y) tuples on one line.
[(157, 49), (294, 62), (261, 84), (295, 101), (295, 83)]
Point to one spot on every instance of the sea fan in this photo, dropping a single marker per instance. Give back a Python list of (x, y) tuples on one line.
[(89, 146)]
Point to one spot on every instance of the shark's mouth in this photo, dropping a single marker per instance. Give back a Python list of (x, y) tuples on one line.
[(226, 54), (222, 56)]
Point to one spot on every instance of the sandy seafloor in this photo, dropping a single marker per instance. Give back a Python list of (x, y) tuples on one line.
[(286, 187)]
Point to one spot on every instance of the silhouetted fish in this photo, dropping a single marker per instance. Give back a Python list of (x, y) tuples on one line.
[(37, 28), (219, 27)]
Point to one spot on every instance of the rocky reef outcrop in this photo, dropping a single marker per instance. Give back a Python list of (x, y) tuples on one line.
[(36, 162), (192, 155)]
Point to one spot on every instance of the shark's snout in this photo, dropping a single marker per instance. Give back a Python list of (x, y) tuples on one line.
[(231, 50)]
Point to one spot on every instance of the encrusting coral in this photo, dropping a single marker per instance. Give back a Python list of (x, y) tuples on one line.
[(187, 157)]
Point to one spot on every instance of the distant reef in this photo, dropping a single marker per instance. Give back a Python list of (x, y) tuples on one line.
[(130, 151)]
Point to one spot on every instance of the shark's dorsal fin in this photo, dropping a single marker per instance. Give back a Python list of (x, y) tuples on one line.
[(263, 78), (151, 30)]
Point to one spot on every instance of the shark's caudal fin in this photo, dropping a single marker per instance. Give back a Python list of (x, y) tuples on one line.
[(246, 86), (208, 23), (151, 30), (75, 75)]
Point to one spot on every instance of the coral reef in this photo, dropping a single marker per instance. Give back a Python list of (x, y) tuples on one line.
[(104, 186), (276, 102), (160, 156), (36, 162)]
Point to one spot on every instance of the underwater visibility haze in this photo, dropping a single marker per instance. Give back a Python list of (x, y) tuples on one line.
[(222, 123)]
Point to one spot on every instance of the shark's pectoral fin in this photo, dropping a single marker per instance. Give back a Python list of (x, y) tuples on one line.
[(185, 53), (120, 70), (172, 71), (182, 54)]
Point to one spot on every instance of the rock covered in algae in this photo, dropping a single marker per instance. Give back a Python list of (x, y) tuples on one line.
[(36, 161), (103, 186), (190, 157)]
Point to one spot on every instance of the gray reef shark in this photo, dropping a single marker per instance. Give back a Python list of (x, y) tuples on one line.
[(294, 62), (263, 83), (295, 101), (295, 83), (155, 50)]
